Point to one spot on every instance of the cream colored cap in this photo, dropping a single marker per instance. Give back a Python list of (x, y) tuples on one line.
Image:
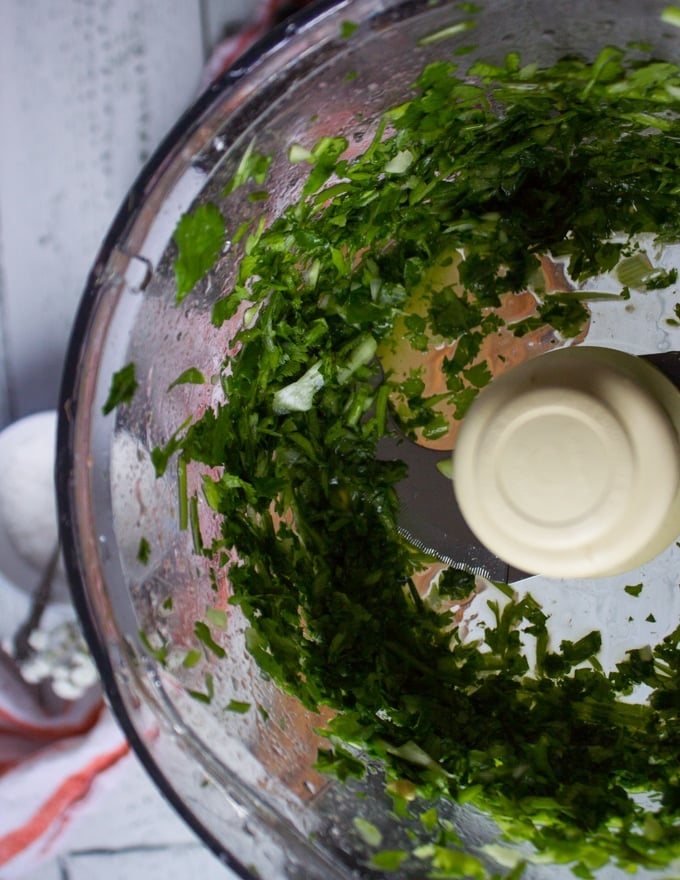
[(569, 465)]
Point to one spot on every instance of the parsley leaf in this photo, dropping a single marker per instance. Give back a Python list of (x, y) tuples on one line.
[(253, 166), (347, 28), (144, 551), (203, 634), (240, 707), (190, 376), (122, 390), (200, 239)]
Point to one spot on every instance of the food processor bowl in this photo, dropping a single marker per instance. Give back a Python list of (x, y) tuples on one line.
[(234, 754)]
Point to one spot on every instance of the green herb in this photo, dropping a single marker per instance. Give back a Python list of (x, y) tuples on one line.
[(660, 279), (453, 863), (203, 634), (192, 376), (559, 310), (671, 15), (369, 832), (506, 166), (634, 270), (340, 763), (634, 589), (160, 653), (191, 659), (195, 524), (200, 240), (389, 859), (207, 695), (143, 551), (259, 195), (160, 456), (347, 28), (122, 390), (182, 493), (445, 468), (298, 153), (253, 166), (217, 617), (430, 819), (446, 33), (456, 583), (237, 706)]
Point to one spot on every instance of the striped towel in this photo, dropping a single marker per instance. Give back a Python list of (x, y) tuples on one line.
[(52, 766)]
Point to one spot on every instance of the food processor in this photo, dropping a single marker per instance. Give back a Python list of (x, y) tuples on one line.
[(236, 755)]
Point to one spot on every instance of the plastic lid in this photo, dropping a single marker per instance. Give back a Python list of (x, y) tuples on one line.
[(569, 465)]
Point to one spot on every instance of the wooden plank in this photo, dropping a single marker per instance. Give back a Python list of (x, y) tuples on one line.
[(90, 89)]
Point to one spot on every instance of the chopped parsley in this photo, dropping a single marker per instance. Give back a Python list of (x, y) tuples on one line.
[(217, 617), (200, 238), (207, 695), (159, 652), (191, 376), (506, 167), (192, 658), (369, 832), (446, 32), (252, 167), (143, 551), (203, 634), (122, 390), (388, 859), (347, 29), (240, 707), (671, 15)]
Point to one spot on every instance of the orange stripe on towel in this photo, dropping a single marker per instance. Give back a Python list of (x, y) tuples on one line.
[(69, 792)]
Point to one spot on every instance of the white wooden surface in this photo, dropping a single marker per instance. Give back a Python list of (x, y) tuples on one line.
[(131, 834), (87, 90)]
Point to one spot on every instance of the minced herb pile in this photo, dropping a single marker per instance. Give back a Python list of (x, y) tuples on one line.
[(503, 166)]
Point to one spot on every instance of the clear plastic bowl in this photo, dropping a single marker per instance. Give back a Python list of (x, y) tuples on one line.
[(248, 788)]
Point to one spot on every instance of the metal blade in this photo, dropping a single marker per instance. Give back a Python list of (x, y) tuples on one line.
[(430, 517), (667, 362)]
